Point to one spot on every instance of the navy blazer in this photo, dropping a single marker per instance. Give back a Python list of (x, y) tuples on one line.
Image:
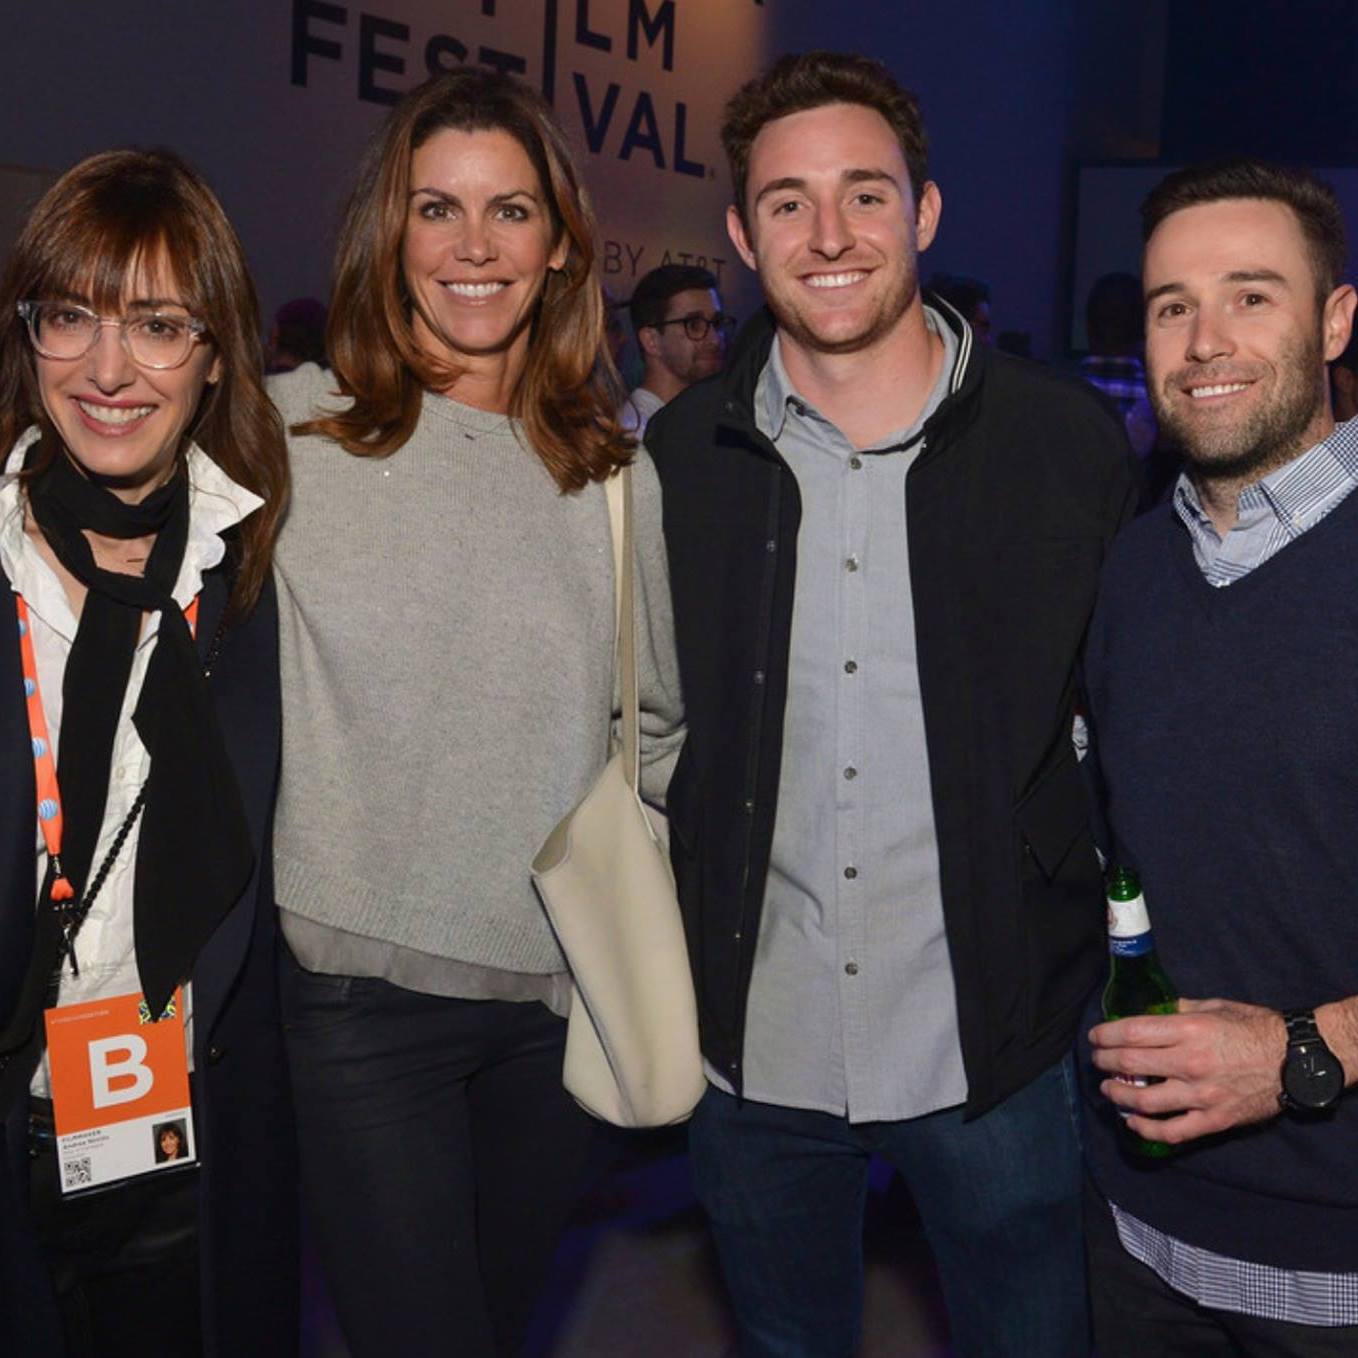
[(248, 1231)]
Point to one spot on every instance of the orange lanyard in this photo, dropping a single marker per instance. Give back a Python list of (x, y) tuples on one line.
[(44, 766)]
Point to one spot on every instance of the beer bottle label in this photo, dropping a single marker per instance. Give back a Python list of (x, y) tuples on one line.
[(1129, 928)]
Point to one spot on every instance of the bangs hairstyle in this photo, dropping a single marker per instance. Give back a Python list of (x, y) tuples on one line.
[(1312, 200), (807, 80), (569, 390), (113, 222)]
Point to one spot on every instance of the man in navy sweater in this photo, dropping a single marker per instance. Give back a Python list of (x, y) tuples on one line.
[(1221, 667)]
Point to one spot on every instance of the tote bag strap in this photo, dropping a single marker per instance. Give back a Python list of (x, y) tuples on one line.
[(618, 488)]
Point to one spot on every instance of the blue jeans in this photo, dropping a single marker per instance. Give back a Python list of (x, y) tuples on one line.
[(999, 1198)]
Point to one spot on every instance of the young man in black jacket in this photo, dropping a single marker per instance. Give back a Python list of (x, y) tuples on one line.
[(884, 542)]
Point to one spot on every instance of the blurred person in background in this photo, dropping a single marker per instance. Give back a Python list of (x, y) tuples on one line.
[(682, 334), (1115, 325)]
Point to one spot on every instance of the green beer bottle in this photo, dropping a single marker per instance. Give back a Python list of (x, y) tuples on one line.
[(1137, 983)]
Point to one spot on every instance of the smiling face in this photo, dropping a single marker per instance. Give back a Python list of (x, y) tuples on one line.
[(1236, 339), (832, 226), (123, 424), (477, 246)]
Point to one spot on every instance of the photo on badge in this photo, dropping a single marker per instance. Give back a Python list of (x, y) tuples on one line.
[(120, 1091)]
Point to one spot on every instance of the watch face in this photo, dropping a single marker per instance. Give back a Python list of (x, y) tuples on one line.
[(1312, 1075)]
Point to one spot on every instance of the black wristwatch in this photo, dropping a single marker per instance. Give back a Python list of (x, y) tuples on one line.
[(1313, 1078)]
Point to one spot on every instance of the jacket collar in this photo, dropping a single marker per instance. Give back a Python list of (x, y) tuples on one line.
[(754, 343)]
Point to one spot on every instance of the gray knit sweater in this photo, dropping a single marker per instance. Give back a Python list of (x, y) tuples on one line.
[(446, 623)]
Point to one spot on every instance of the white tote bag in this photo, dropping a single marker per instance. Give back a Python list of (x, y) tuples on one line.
[(604, 876)]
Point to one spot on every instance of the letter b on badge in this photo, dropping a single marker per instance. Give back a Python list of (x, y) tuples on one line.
[(118, 1059)]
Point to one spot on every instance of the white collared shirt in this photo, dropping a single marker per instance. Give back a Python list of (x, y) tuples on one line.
[(104, 946)]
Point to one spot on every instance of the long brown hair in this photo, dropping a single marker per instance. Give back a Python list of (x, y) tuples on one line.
[(568, 391), (92, 231)]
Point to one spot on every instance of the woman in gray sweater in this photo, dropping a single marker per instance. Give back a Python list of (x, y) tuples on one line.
[(447, 619)]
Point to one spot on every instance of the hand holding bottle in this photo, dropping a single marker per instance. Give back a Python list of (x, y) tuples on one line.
[(1137, 982), (1217, 1063)]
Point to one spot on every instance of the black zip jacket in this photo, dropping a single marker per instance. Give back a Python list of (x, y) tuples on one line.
[(1022, 480)]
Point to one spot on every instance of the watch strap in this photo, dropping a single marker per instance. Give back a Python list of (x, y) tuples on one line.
[(1301, 1026), (1302, 1032)]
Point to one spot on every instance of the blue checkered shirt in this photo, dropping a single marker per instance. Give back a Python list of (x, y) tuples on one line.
[(1271, 513)]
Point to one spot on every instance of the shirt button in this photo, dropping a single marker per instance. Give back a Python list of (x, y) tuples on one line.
[(856, 463), (759, 676), (749, 806), (771, 545), (851, 564), (851, 873), (214, 1055), (851, 773), (851, 968), (851, 667)]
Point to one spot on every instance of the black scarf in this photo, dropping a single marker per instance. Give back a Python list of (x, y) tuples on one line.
[(194, 856)]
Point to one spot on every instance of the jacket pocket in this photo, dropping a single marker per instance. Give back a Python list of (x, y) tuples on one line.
[(1062, 896), (1052, 815)]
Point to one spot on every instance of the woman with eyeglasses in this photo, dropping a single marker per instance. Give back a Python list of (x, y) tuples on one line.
[(447, 621), (144, 476)]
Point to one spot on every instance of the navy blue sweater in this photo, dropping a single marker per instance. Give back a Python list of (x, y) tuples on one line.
[(1226, 728)]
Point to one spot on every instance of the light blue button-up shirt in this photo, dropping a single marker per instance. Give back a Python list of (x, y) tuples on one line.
[(852, 1008)]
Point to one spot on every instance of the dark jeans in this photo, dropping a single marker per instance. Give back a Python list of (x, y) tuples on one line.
[(999, 1198), (123, 1261), (1137, 1314), (440, 1158)]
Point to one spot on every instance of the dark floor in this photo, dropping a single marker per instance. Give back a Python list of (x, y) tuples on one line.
[(636, 1275)]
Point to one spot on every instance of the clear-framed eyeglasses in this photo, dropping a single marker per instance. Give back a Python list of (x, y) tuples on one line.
[(152, 338), (696, 325)]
